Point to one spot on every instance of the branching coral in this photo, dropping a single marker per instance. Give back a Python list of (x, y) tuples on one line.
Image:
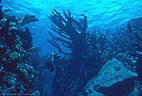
[(72, 33), (138, 42), (28, 19), (89, 52), (136, 31)]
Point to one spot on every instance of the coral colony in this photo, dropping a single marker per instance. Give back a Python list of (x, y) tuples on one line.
[(86, 63)]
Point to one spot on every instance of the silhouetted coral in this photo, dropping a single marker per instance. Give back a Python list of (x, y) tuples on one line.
[(88, 53), (136, 30), (28, 19), (72, 33)]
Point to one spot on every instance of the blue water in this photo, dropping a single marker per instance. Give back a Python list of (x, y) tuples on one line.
[(87, 47), (104, 12), (101, 13)]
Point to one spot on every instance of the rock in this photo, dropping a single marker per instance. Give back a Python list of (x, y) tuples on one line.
[(111, 73), (36, 93), (123, 88)]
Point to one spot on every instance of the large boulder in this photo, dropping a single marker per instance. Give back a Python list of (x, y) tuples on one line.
[(113, 75)]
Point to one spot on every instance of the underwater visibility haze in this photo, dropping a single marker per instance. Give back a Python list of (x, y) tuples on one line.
[(70, 48)]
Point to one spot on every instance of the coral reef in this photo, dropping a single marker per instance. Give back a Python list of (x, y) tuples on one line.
[(73, 35), (16, 75), (87, 62), (134, 27), (88, 53)]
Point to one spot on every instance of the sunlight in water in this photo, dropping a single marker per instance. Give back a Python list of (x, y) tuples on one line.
[(104, 13), (70, 47)]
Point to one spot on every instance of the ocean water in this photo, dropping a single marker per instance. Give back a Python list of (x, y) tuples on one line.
[(104, 14), (70, 48)]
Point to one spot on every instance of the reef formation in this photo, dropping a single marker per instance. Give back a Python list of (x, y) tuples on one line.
[(88, 53), (16, 73), (87, 61)]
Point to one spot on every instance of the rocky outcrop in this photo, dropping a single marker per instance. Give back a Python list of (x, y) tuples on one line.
[(114, 77)]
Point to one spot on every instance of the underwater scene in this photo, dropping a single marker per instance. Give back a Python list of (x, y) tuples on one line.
[(70, 48)]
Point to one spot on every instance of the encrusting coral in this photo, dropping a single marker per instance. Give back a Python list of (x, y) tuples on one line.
[(16, 75)]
